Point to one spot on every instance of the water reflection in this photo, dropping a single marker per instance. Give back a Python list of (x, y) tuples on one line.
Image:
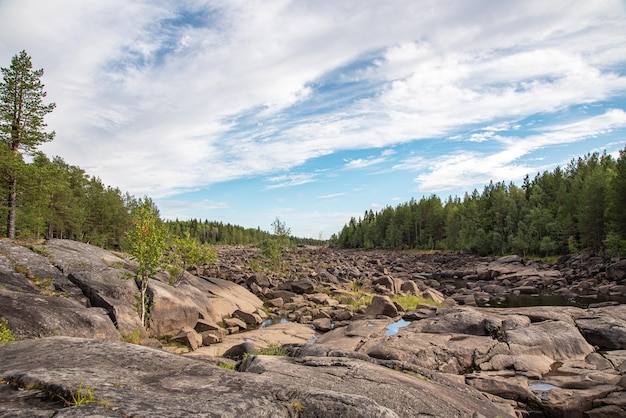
[(394, 328)]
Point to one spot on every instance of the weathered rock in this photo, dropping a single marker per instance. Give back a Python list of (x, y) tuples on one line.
[(250, 318), (274, 303), (555, 339), (381, 305), (411, 287), (239, 351), (32, 315), (605, 327), (235, 322), (303, 286), (322, 324), (348, 380), (190, 337), (283, 333), (15, 258), (172, 311), (70, 255), (506, 386), (462, 320)]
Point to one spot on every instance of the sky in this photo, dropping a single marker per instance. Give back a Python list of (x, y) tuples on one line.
[(316, 111)]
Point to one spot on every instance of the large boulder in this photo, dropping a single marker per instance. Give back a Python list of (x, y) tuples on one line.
[(168, 385), (381, 306), (171, 311), (462, 320), (32, 315), (605, 327), (216, 298)]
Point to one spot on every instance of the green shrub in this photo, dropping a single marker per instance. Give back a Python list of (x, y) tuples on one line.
[(409, 302), (272, 349), (5, 333), (133, 337)]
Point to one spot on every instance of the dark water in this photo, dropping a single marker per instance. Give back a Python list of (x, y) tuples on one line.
[(546, 299)]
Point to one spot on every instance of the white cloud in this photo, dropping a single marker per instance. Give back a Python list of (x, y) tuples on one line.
[(289, 180), (331, 196), (464, 169), (157, 105)]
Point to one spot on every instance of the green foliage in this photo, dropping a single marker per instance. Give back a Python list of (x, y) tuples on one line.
[(133, 337), (581, 207), (83, 395), (5, 333), (229, 366), (409, 302), (218, 233), (21, 122), (187, 252), (146, 241), (358, 299), (271, 250), (272, 349)]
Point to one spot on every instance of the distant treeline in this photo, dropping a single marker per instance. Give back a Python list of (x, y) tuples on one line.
[(218, 233), (58, 200), (581, 207)]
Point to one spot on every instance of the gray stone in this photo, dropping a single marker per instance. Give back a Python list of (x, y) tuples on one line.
[(32, 315), (322, 324), (303, 286), (381, 305)]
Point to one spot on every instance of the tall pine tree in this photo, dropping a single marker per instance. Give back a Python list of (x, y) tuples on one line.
[(22, 127)]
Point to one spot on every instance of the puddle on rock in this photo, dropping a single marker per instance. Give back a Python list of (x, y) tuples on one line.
[(394, 328), (273, 321), (542, 387)]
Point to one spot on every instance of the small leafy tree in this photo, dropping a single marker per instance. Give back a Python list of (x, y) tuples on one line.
[(147, 242), (187, 252), (272, 249)]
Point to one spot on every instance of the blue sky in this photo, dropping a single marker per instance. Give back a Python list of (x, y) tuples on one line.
[(317, 111)]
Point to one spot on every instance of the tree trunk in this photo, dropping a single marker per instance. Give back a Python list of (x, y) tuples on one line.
[(12, 206), (142, 294)]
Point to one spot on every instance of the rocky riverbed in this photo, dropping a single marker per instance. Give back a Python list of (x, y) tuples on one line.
[(367, 334)]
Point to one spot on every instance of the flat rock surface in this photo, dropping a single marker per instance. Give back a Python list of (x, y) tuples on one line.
[(286, 333), (132, 380)]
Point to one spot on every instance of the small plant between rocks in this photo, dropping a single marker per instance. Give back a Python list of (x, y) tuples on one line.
[(6, 336)]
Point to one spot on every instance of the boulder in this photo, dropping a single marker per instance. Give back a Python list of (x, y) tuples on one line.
[(381, 305), (605, 327), (303, 286), (33, 316), (188, 336), (462, 320), (411, 287), (216, 298), (322, 324), (239, 351), (275, 303), (171, 310), (250, 318), (557, 340), (507, 386)]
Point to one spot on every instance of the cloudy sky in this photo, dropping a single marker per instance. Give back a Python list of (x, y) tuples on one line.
[(315, 111)]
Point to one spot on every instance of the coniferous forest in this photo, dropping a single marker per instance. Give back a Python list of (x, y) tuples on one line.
[(581, 207)]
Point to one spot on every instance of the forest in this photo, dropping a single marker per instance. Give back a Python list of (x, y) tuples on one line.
[(580, 207), (58, 200)]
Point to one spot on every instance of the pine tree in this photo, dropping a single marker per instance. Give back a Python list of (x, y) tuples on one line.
[(21, 120)]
